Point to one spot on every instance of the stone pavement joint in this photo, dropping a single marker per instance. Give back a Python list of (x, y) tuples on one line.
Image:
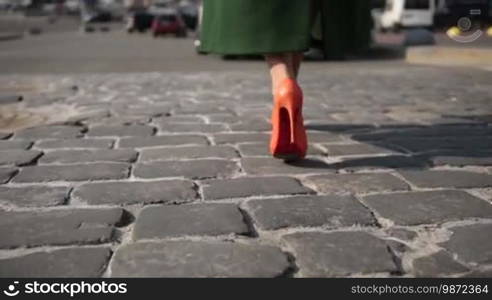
[(171, 173)]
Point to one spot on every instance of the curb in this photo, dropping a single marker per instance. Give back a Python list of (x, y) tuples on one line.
[(450, 56)]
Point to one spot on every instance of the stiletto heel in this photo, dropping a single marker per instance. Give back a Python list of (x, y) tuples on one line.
[(289, 140)]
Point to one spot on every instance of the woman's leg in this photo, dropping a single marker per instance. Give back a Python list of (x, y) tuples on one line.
[(282, 66)]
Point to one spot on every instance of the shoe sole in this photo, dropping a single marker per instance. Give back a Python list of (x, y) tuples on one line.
[(288, 157)]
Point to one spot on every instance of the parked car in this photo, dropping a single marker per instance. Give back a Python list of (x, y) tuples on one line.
[(400, 14), (140, 21), (169, 22)]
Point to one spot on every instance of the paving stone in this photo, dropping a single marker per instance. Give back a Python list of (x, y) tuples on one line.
[(381, 162), (461, 161), (34, 196), (402, 234), (260, 165), (195, 169), (202, 128), (127, 193), (415, 208), (253, 186), (189, 220), (437, 265), (339, 254), (14, 144), (120, 131), (71, 262), (426, 131), (18, 157), (309, 211), (355, 149), (201, 109), (356, 183), (81, 156), (6, 174), (4, 135), (76, 144), (169, 140), (323, 137), (447, 179), (178, 259), (235, 138), (423, 145), (58, 227), (81, 172), (262, 149), (254, 124), (179, 119), (486, 273), (50, 132), (190, 152), (471, 243)]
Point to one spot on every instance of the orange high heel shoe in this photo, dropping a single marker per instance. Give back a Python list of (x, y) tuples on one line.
[(289, 140)]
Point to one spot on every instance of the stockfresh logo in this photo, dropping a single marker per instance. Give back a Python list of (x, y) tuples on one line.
[(12, 290)]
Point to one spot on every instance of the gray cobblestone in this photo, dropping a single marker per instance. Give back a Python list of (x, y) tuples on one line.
[(126, 193), (415, 208), (359, 128), (258, 165), (253, 124), (196, 169), (340, 254), (382, 162), (190, 152), (262, 149), (253, 186), (471, 243), (355, 149), (6, 174), (439, 264), (309, 211), (49, 132), (462, 161), (76, 144), (81, 156), (18, 157), (83, 172), (71, 262), (447, 179), (13, 145), (186, 128), (59, 227), (236, 138), (170, 140), (33, 196), (130, 130), (195, 258), (188, 220), (356, 183), (4, 135)]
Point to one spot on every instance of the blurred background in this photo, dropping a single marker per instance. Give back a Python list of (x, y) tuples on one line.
[(47, 36)]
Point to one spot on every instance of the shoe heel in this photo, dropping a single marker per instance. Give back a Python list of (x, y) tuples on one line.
[(291, 112)]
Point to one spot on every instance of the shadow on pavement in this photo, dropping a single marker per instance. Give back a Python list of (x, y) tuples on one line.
[(414, 146)]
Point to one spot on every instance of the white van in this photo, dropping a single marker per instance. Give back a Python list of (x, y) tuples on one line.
[(408, 14)]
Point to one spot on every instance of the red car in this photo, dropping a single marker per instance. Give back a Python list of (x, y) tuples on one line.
[(165, 23)]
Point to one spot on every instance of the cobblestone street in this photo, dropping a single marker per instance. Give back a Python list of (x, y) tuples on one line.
[(168, 175)]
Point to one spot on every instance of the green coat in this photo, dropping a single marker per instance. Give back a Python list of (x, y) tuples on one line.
[(272, 26)]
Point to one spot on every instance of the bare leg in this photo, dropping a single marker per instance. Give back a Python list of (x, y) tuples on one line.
[(282, 66)]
